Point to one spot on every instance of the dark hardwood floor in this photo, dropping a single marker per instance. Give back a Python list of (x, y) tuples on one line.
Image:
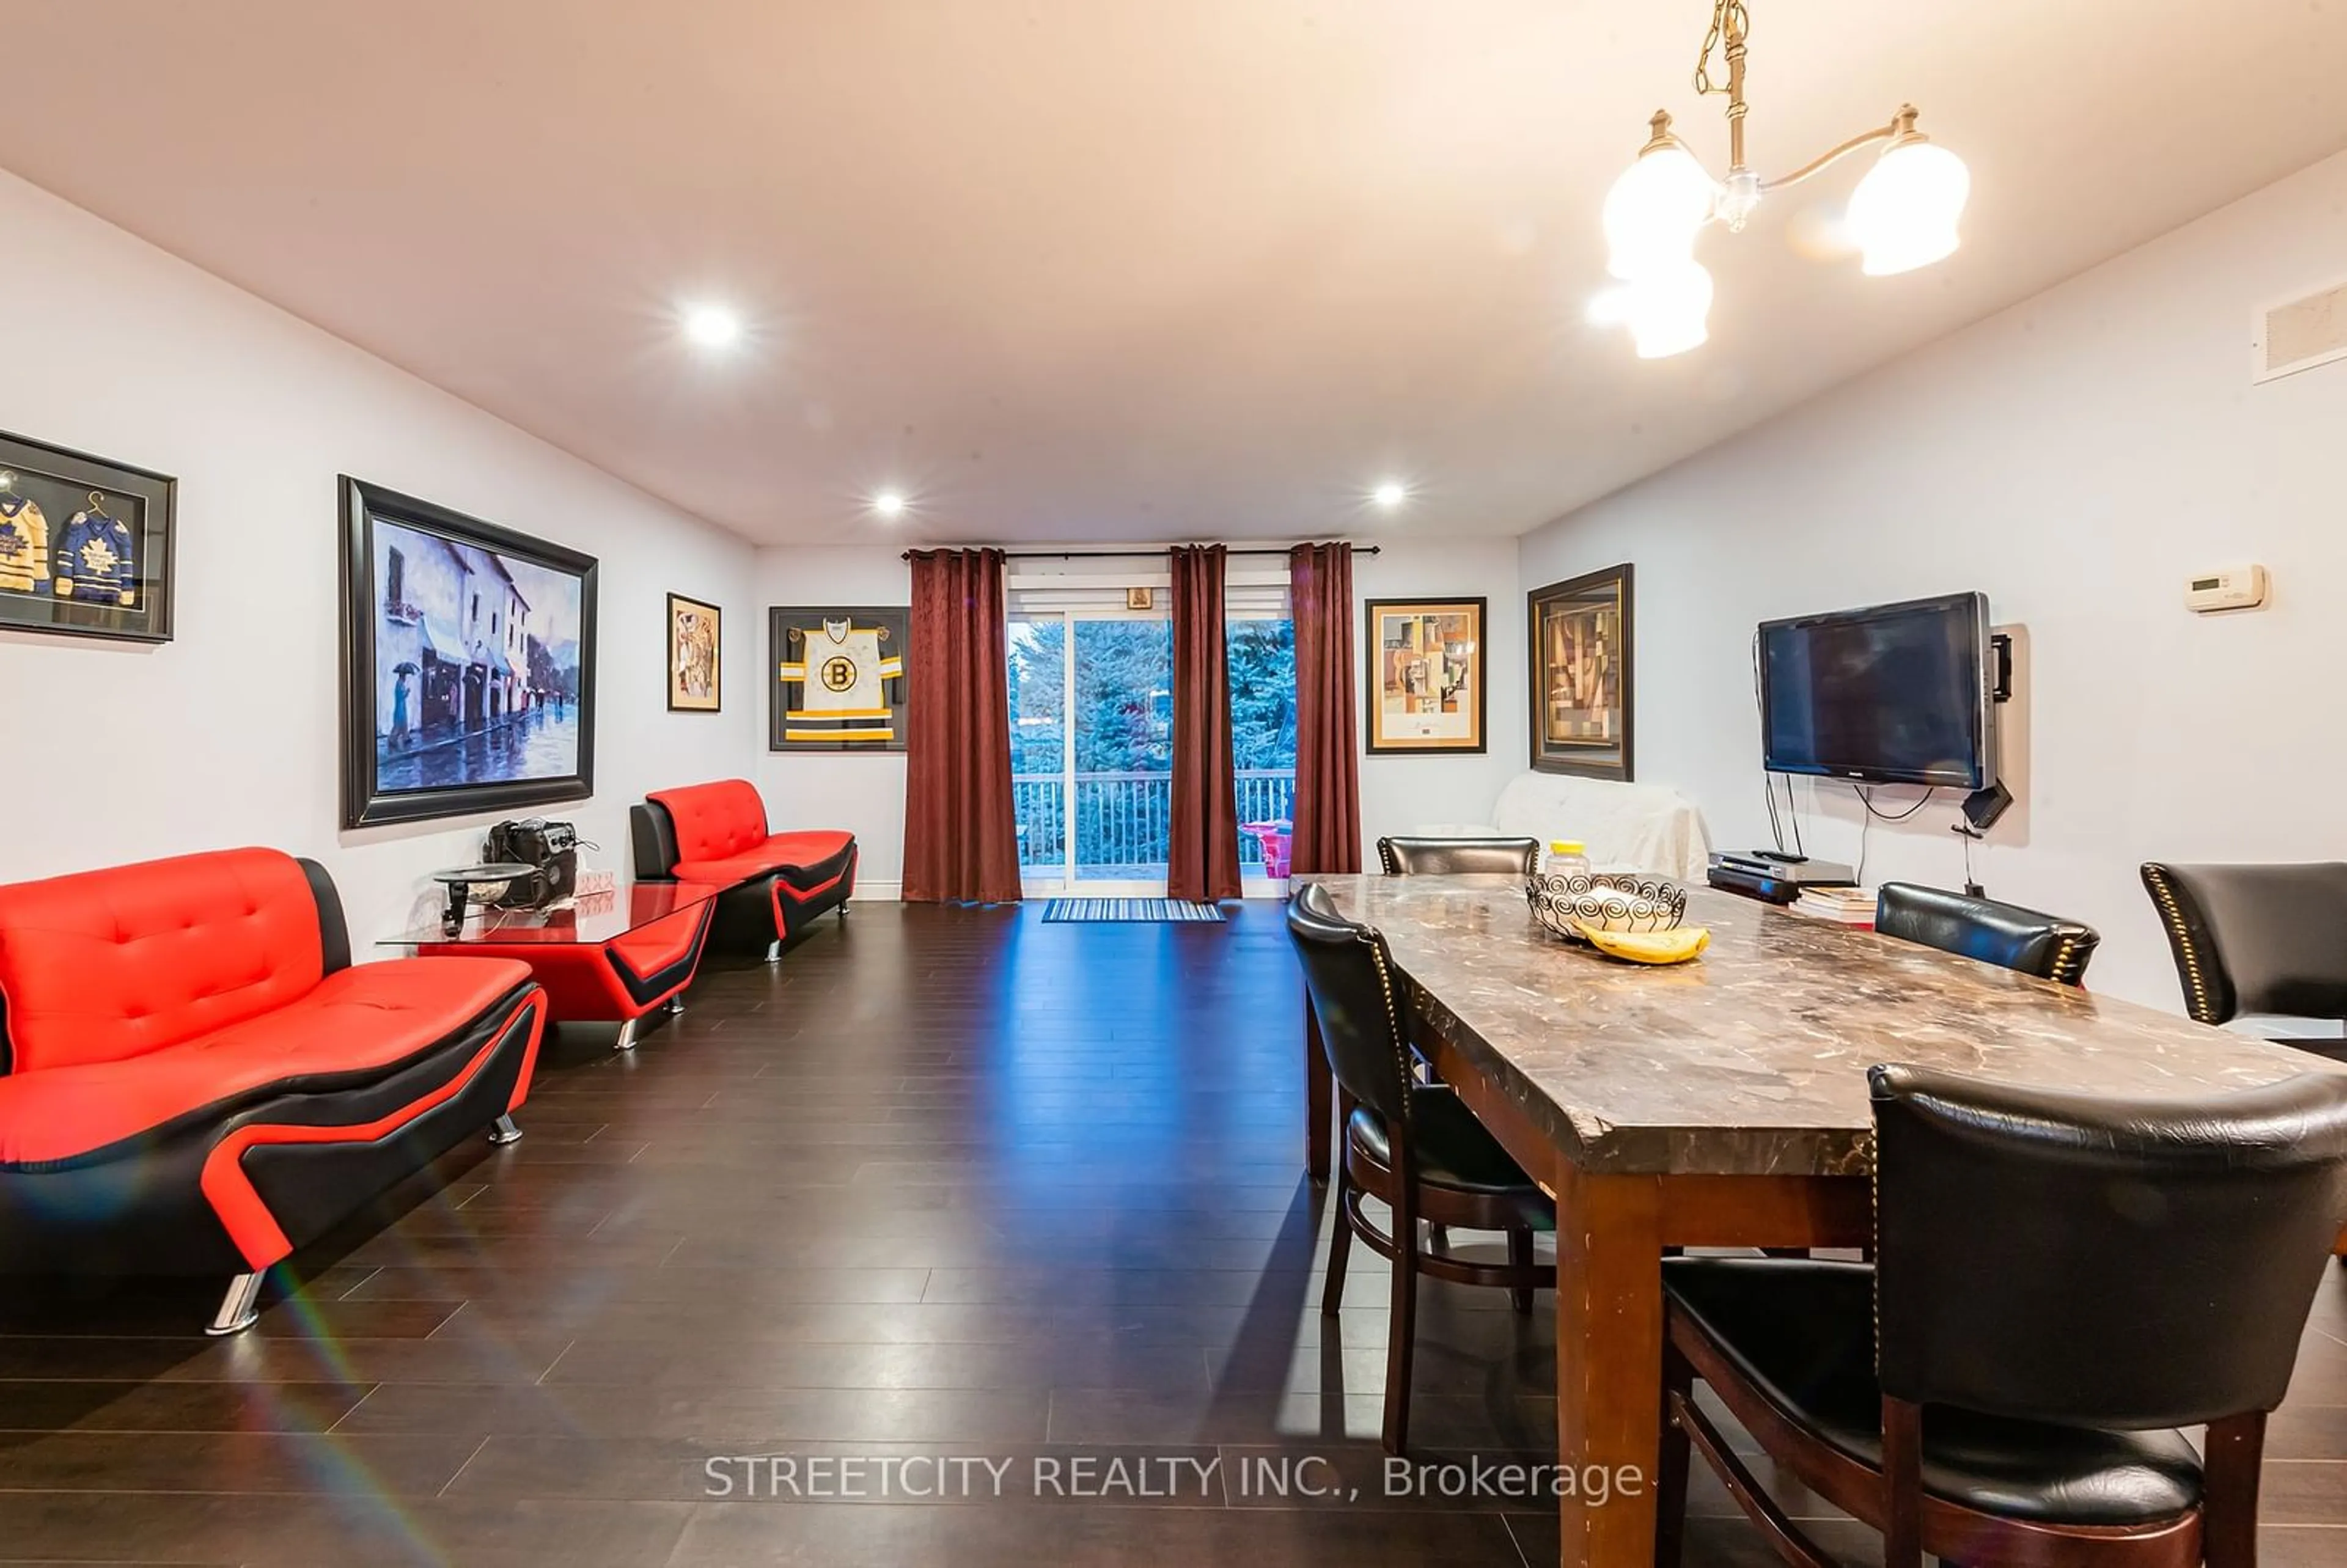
[(940, 1184)]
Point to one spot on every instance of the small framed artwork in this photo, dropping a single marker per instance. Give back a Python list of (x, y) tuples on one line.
[(1582, 687), (837, 681), (468, 663), (696, 655), (85, 544), (1426, 690)]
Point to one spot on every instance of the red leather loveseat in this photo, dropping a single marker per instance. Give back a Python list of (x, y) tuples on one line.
[(776, 882), (194, 1078)]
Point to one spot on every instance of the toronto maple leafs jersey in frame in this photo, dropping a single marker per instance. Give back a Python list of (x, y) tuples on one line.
[(24, 545), (96, 560), (842, 673)]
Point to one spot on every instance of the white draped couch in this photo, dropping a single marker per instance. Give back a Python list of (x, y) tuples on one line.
[(1627, 827)]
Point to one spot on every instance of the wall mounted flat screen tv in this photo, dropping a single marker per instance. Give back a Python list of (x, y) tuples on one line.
[(1898, 693)]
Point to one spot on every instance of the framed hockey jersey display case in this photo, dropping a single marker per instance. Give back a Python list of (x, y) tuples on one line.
[(85, 544), (468, 663), (839, 678)]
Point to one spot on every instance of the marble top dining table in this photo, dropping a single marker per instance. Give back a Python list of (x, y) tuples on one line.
[(1720, 1102), (1752, 1059)]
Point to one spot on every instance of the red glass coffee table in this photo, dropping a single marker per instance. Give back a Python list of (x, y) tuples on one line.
[(603, 958)]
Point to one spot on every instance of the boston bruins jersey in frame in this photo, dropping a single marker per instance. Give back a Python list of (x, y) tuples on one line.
[(24, 545), (842, 671), (94, 560)]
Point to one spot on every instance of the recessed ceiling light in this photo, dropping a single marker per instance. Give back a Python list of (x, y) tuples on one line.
[(1391, 493), (889, 503), (711, 326)]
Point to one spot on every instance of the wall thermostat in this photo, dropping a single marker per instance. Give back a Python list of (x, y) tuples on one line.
[(2227, 587)]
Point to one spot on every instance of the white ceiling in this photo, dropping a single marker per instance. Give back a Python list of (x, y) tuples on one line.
[(1117, 269)]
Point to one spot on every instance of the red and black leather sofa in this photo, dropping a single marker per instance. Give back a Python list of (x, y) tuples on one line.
[(194, 1079), (776, 884)]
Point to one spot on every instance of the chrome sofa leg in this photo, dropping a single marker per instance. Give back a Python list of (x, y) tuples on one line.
[(676, 1003), (627, 1041), (239, 1307), (503, 1130), (774, 952)]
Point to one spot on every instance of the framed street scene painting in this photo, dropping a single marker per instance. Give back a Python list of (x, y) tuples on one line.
[(695, 656), (836, 678), (1425, 676), (468, 663), (1581, 675), (85, 544)]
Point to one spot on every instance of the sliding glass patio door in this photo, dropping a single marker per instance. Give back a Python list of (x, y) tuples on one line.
[(1091, 735), (1092, 750)]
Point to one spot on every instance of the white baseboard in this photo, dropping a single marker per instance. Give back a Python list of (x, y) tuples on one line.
[(877, 892)]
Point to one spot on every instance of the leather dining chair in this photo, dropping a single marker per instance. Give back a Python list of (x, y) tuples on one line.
[(1402, 856), (2005, 935), (1411, 1145), (1405, 856), (2051, 1434), (2256, 938)]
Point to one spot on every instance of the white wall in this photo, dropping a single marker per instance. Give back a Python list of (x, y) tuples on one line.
[(866, 793), (228, 735), (2076, 457), (1399, 794)]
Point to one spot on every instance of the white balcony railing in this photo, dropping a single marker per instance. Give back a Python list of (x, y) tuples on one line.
[(1123, 822)]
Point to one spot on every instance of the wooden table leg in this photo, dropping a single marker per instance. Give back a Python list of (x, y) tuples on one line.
[(1609, 1364), (1318, 1094)]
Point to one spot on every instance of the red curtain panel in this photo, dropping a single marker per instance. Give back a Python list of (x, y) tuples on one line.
[(1205, 861), (962, 831), (1327, 835)]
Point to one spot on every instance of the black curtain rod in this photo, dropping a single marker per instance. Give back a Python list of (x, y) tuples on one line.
[(1147, 550)]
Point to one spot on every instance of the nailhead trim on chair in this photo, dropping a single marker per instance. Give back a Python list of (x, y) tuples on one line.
[(1393, 1014), (2163, 895)]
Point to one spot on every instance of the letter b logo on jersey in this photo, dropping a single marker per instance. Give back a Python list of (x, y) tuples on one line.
[(839, 673)]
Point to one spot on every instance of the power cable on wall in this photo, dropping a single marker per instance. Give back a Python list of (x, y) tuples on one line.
[(1866, 799)]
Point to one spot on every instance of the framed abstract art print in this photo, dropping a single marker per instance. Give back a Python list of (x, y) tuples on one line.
[(1581, 693), (1427, 686), (696, 656)]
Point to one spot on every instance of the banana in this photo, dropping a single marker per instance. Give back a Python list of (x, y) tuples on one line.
[(1675, 945)]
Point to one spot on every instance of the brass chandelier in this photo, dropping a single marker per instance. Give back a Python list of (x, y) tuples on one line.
[(1902, 216)]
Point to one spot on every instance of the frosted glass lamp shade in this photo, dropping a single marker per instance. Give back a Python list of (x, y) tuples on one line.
[(1654, 211), (1668, 311), (1903, 213)]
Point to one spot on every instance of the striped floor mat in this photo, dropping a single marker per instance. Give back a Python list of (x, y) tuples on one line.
[(1155, 910)]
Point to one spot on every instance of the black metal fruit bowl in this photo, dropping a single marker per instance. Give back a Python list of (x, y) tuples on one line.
[(1566, 904)]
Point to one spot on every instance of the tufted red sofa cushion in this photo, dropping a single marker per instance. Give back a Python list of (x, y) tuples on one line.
[(360, 1019), (103, 966), (795, 850), (715, 821)]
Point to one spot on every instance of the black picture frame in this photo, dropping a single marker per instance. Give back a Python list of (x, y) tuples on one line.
[(544, 687), (1375, 612), (126, 519), (786, 694), (1569, 624), (680, 702)]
